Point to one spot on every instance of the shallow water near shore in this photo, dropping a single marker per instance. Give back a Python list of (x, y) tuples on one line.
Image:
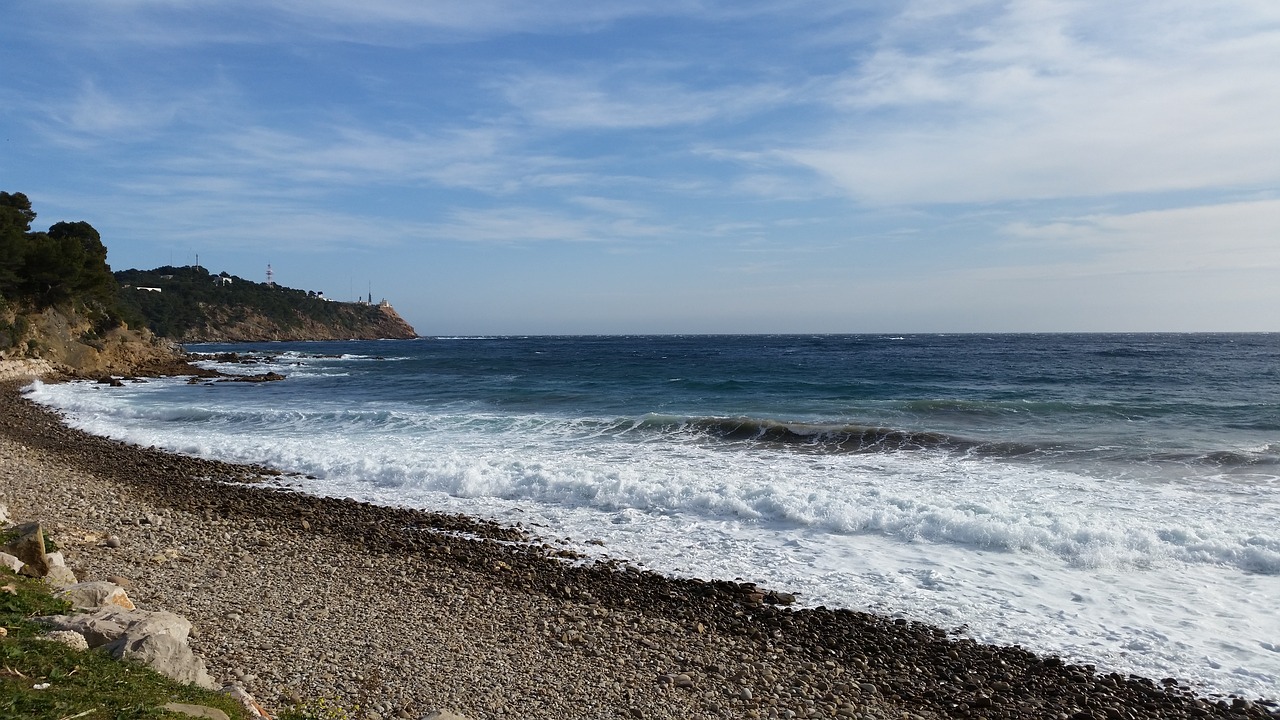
[(1109, 498)]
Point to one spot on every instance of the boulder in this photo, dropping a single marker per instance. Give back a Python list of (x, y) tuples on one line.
[(59, 574), (4, 514), (166, 654), (443, 715), (11, 562), (28, 547), (108, 624), (159, 622), (96, 594), (98, 628)]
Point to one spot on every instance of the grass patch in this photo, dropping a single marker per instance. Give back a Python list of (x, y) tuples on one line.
[(45, 680), (22, 598)]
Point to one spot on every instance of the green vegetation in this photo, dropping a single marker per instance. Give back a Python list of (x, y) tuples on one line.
[(41, 679), (65, 268), (191, 302), (66, 264)]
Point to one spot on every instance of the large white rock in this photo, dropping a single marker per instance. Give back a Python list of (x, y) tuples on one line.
[(96, 594), (11, 562), (108, 624), (59, 574), (164, 653), (157, 639)]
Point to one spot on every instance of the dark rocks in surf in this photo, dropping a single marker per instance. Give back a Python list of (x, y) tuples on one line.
[(260, 378)]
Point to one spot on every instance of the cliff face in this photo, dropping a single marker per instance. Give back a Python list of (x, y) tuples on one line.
[(68, 343), (349, 321)]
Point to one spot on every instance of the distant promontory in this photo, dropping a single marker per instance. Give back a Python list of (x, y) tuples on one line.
[(62, 308), (190, 304)]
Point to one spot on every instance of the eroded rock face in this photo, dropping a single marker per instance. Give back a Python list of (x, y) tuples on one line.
[(120, 350)]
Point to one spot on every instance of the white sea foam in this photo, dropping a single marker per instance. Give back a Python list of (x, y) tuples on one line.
[(1138, 577)]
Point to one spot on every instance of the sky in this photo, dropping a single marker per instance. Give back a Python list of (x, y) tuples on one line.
[(610, 166)]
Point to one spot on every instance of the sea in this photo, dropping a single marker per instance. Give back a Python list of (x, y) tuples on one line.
[(1110, 499)]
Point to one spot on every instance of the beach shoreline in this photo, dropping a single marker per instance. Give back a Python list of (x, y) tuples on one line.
[(405, 611)]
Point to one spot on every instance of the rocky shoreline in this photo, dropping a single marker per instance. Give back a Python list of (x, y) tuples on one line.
[(403, 612)]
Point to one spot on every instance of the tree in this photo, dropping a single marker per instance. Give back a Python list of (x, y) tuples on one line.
[(15, 222), (87, 274)]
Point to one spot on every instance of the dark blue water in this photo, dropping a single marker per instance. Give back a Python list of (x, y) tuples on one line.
[(1113, 498), (1208, 399)]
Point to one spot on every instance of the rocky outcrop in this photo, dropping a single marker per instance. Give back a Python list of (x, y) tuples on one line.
[(62, 341), (349, 321)]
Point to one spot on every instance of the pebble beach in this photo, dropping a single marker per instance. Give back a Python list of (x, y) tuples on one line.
[(398, 613)]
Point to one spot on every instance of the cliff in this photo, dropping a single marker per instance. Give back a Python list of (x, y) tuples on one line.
[(348, 321), (65, 340)]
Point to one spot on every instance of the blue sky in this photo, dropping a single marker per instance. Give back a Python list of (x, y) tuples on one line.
[(504, 166)]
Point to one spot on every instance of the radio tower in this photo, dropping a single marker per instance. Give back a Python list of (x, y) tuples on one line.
[(271, 276)]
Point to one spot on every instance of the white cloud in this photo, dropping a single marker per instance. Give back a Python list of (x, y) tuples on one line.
[(92, 115), (617, 101), (486, 159), (175, 23), (1227, 237), (527, 224), (1043, 99)]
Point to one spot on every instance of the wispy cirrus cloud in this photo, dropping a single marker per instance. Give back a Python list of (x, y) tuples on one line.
[(1200, 239), (172, 23), (532, 224), (986, 102), (93, 115), (484, 159), (632, 98)]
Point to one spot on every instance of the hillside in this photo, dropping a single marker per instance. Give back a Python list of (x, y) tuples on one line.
[(58, 300), (189, 304)]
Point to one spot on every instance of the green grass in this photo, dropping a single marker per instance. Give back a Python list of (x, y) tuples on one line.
[(89, 685)]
